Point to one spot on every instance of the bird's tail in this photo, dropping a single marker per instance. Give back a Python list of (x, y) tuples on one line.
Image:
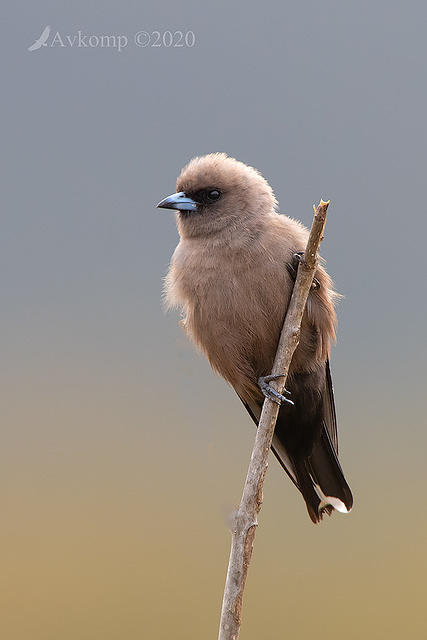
[(318, 476), (321, 481)]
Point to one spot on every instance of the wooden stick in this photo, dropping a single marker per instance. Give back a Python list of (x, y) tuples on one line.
[(245, 520)]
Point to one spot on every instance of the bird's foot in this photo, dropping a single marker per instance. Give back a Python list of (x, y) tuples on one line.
[(270, 393), (293, 268)]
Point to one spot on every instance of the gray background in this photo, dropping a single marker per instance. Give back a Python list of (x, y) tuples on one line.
[(122, 454)]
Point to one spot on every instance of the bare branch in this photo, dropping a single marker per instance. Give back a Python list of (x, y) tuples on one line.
[(245, 522)]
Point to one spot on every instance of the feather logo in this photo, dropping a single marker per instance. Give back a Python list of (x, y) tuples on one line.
[(41, 42)]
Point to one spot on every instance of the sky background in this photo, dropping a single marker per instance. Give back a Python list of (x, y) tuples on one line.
[(121, 453)]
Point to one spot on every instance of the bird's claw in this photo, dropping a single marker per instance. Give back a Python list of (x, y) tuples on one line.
[(270, 393), (293, 267)]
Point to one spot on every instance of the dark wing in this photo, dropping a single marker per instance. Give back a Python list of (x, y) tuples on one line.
[(318, 475), (277, 447), (329, 414)]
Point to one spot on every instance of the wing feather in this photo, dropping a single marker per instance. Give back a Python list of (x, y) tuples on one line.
[(329, 414)]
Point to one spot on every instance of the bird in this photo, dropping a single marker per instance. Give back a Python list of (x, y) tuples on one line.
[(232, 275), (41, 42)]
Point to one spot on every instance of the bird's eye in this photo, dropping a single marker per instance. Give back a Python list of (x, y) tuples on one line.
[(206, 196), (213, 195)]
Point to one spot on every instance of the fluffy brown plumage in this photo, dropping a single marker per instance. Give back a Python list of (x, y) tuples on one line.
[(229, 275)]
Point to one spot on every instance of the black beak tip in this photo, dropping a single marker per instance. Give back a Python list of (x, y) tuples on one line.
[(162, 205)]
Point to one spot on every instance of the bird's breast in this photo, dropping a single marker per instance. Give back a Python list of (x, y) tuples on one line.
[(234, 309)]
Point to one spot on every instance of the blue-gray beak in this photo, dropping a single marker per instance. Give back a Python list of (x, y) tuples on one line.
[(178, 201)]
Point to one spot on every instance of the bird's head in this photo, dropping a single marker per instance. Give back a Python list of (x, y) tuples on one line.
[(216, 193)]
